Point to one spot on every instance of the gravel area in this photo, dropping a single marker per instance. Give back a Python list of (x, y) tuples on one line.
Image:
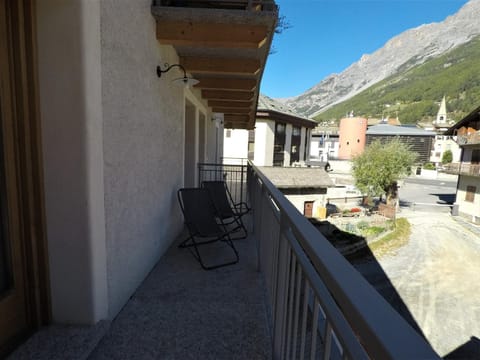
[(435, 282)]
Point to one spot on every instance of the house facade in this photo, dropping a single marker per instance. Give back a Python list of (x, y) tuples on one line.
[(97, 138), (280, 138), (442, 144), (324, 143), (467, 132)]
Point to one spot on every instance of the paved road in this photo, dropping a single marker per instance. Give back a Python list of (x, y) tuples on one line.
[(416, 193), (435, 281)]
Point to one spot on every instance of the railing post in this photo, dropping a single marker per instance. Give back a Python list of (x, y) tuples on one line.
[(281, 292), (242, 167)]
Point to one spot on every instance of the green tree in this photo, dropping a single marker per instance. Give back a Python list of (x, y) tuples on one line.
[(447, 157), (377, 170)]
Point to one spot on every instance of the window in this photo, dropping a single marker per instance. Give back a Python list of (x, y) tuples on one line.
[(228, 133), (279, 144), (470, 195), (475, 156)]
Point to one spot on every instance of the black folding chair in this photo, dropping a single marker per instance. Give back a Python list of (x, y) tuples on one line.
[(201, 221), (226, 209)]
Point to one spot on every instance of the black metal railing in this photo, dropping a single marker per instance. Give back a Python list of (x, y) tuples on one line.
[(234, 175)]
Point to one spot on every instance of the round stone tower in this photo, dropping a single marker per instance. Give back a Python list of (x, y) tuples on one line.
[(352, 136)]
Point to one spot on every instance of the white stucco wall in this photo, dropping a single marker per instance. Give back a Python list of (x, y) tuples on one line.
[(471, 209), (442, 144), (113, 138), (235, 146), (319, 200), (264, 140), (143, 137), (69, 48), (288, 145)]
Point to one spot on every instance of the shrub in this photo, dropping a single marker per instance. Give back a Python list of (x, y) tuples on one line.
[(429, 166), (373, 231), (447, 157)]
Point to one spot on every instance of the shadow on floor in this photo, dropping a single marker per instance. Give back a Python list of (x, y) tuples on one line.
[(180, 311), (365, 262), (467, 350)]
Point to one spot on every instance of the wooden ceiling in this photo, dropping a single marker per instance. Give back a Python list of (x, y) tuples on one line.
[(225, 50)]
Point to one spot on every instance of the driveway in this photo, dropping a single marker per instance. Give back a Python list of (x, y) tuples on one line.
[(435, 280)]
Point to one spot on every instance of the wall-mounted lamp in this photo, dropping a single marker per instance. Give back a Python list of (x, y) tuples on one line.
[(185, 80), (218, 118)]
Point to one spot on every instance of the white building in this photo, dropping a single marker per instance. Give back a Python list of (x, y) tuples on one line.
[(324, 143), (443, 143), (281, 137)]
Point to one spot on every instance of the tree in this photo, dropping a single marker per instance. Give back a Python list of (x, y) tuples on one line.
[(447, 157), (377, 170)]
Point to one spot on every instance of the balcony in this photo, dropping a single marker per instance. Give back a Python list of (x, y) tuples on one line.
[(463, 169), (472, 138), (292, 295)]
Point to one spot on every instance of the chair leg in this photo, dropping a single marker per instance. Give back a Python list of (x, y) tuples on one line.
[(239, 226), (196, 252)]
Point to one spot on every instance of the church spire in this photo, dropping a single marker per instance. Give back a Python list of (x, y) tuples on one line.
[(442, 112)]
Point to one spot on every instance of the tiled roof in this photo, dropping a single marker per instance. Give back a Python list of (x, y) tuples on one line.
[(297, 177), (266, 103), (385, 129)]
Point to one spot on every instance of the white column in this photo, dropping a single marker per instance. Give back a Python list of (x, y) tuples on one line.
[(288, 144)]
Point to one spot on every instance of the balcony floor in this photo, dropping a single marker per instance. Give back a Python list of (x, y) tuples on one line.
[(179, 312)]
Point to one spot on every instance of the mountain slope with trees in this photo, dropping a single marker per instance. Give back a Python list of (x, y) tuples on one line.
[(401, 53), (414, 95)]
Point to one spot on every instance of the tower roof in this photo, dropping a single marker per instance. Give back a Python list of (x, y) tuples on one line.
[(442, 112)]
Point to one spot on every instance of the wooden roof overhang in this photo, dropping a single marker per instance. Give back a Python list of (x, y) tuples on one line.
[(224, 44), (471, 120)]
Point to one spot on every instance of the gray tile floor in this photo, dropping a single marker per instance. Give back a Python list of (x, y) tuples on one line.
[(179, 312)]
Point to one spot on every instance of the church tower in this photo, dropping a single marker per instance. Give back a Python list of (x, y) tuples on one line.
[(442, 113)]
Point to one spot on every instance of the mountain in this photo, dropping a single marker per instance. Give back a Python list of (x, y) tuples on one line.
[(412, 95), (401, 53)]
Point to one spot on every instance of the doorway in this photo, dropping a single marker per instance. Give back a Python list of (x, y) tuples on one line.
[(23, 281)]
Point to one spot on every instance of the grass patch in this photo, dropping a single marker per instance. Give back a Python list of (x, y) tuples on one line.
[(392, 241)]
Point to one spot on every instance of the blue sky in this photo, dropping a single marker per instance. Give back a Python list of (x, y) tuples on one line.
[(326, 36)]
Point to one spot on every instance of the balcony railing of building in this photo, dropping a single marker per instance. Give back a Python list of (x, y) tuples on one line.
[(250, 5), (463, 169), (319, 303), (469, 139), (320, 306), (233, 171)]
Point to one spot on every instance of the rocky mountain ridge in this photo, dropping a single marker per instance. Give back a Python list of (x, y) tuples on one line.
[(399, 54)]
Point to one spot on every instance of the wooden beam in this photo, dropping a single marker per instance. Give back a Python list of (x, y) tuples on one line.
[(211, 35), (207, 65), (227, 84), (236, 104), (232, 110), (236, 118), (227, 95)]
